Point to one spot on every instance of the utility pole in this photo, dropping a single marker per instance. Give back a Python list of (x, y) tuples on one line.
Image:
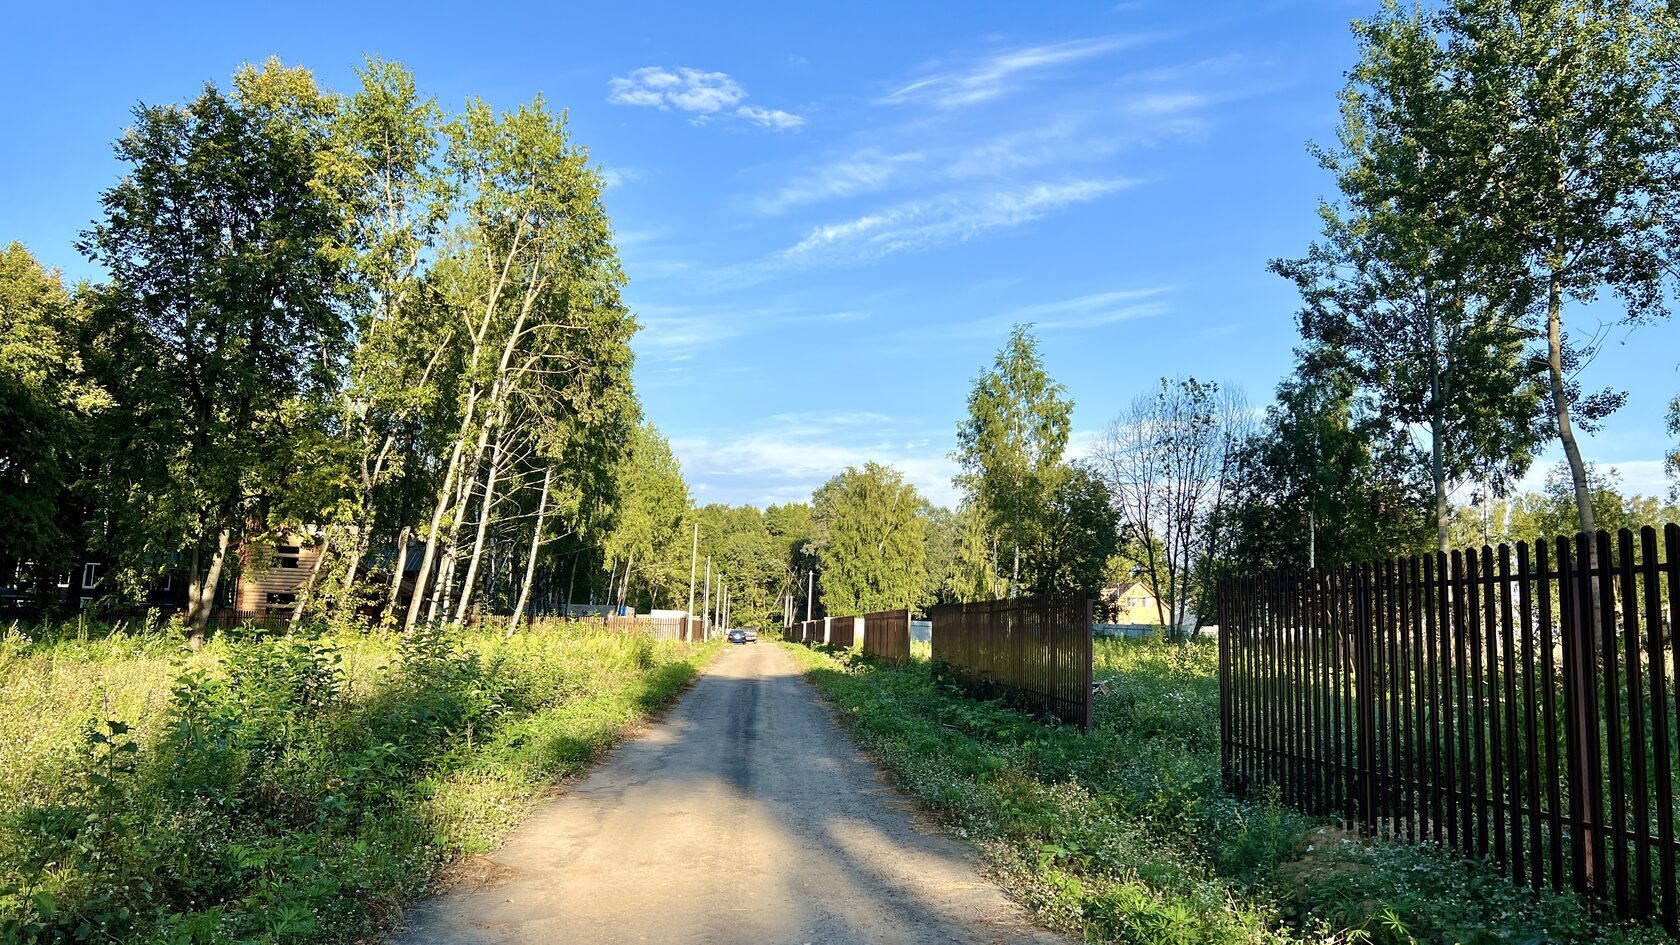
[(693, 551), (706, 608), (810, 590)]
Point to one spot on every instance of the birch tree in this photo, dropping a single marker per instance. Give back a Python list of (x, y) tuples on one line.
[(382, 166), (534, 238), (1395, 281), (1573, 122), (1010, 450)]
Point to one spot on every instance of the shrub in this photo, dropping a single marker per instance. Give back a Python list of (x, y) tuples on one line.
[(294, 787)]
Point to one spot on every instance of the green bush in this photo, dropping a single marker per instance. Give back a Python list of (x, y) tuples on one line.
[(291, 787)]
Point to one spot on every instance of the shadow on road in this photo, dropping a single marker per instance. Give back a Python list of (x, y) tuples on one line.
[(745, 816)]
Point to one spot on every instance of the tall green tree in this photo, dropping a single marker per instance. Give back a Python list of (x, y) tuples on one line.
[(48, 400), (383, 170), (533, 254), (1326, 481), (793, 526), (1572, 128), (1082, 533), (875, 556), (943, 529), (221, 252), (1010, 449), (1393, 283)]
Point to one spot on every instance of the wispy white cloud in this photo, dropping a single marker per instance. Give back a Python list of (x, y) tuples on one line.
[(771, 118), (677, 333), (861, 172), (690, 90), (1071, 134), (1091, 311), (992, 76), (702, 94), (1080, 313), (615, 177), (952, 218)]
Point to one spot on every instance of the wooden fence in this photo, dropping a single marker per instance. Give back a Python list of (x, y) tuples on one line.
[(886, 636), (842, 631), (1034, 652), (688, 629), (1512, 704)]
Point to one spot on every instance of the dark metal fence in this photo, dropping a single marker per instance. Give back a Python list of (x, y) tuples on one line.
[(1034, 652), (886, 636), (1513, 704)]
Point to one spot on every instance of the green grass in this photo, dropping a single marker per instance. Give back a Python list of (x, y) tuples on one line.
[(286, 788), (1126, 834)]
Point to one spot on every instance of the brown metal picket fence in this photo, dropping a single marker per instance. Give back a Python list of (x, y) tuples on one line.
[(1511, 704), (1034, 652), (886, 636)]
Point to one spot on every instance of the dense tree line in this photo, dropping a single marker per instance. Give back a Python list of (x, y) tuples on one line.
[(346, 315)]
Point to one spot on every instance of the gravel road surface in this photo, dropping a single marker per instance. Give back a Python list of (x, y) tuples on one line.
[(744, 816)]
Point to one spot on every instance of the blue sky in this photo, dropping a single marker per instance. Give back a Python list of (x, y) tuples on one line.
[(831, 214)]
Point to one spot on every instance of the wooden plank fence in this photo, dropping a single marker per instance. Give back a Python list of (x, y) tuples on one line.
[(886, 636), (1034, 652), (842, 631), (1515, 704)]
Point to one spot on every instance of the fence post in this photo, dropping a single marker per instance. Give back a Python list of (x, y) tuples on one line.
[(1365, 698), (1580, 675), (1090, 657)]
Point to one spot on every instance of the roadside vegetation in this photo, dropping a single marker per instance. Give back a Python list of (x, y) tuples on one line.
[(286, 787), (1126, 835)]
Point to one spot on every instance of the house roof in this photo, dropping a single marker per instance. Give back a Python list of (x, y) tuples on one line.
[(1125, 589)]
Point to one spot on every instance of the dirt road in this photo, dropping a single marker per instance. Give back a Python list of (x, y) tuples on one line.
[(745, 816)]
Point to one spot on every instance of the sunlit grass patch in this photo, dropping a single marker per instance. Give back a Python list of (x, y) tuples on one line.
[(288, 788)]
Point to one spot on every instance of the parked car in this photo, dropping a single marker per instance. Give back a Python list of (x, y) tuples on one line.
[(737, 636), (752, 635)]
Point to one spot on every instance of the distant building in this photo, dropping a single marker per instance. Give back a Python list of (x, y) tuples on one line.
[(271, 578), (1129, 603)]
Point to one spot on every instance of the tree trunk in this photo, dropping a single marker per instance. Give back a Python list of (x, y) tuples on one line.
[(399, 564), (308, 590), (531, 562), (571, 582), (353, 567), (203, 596), (1437, 448), (444, 495), (486, 508), (443, 589), (1560, 410)]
